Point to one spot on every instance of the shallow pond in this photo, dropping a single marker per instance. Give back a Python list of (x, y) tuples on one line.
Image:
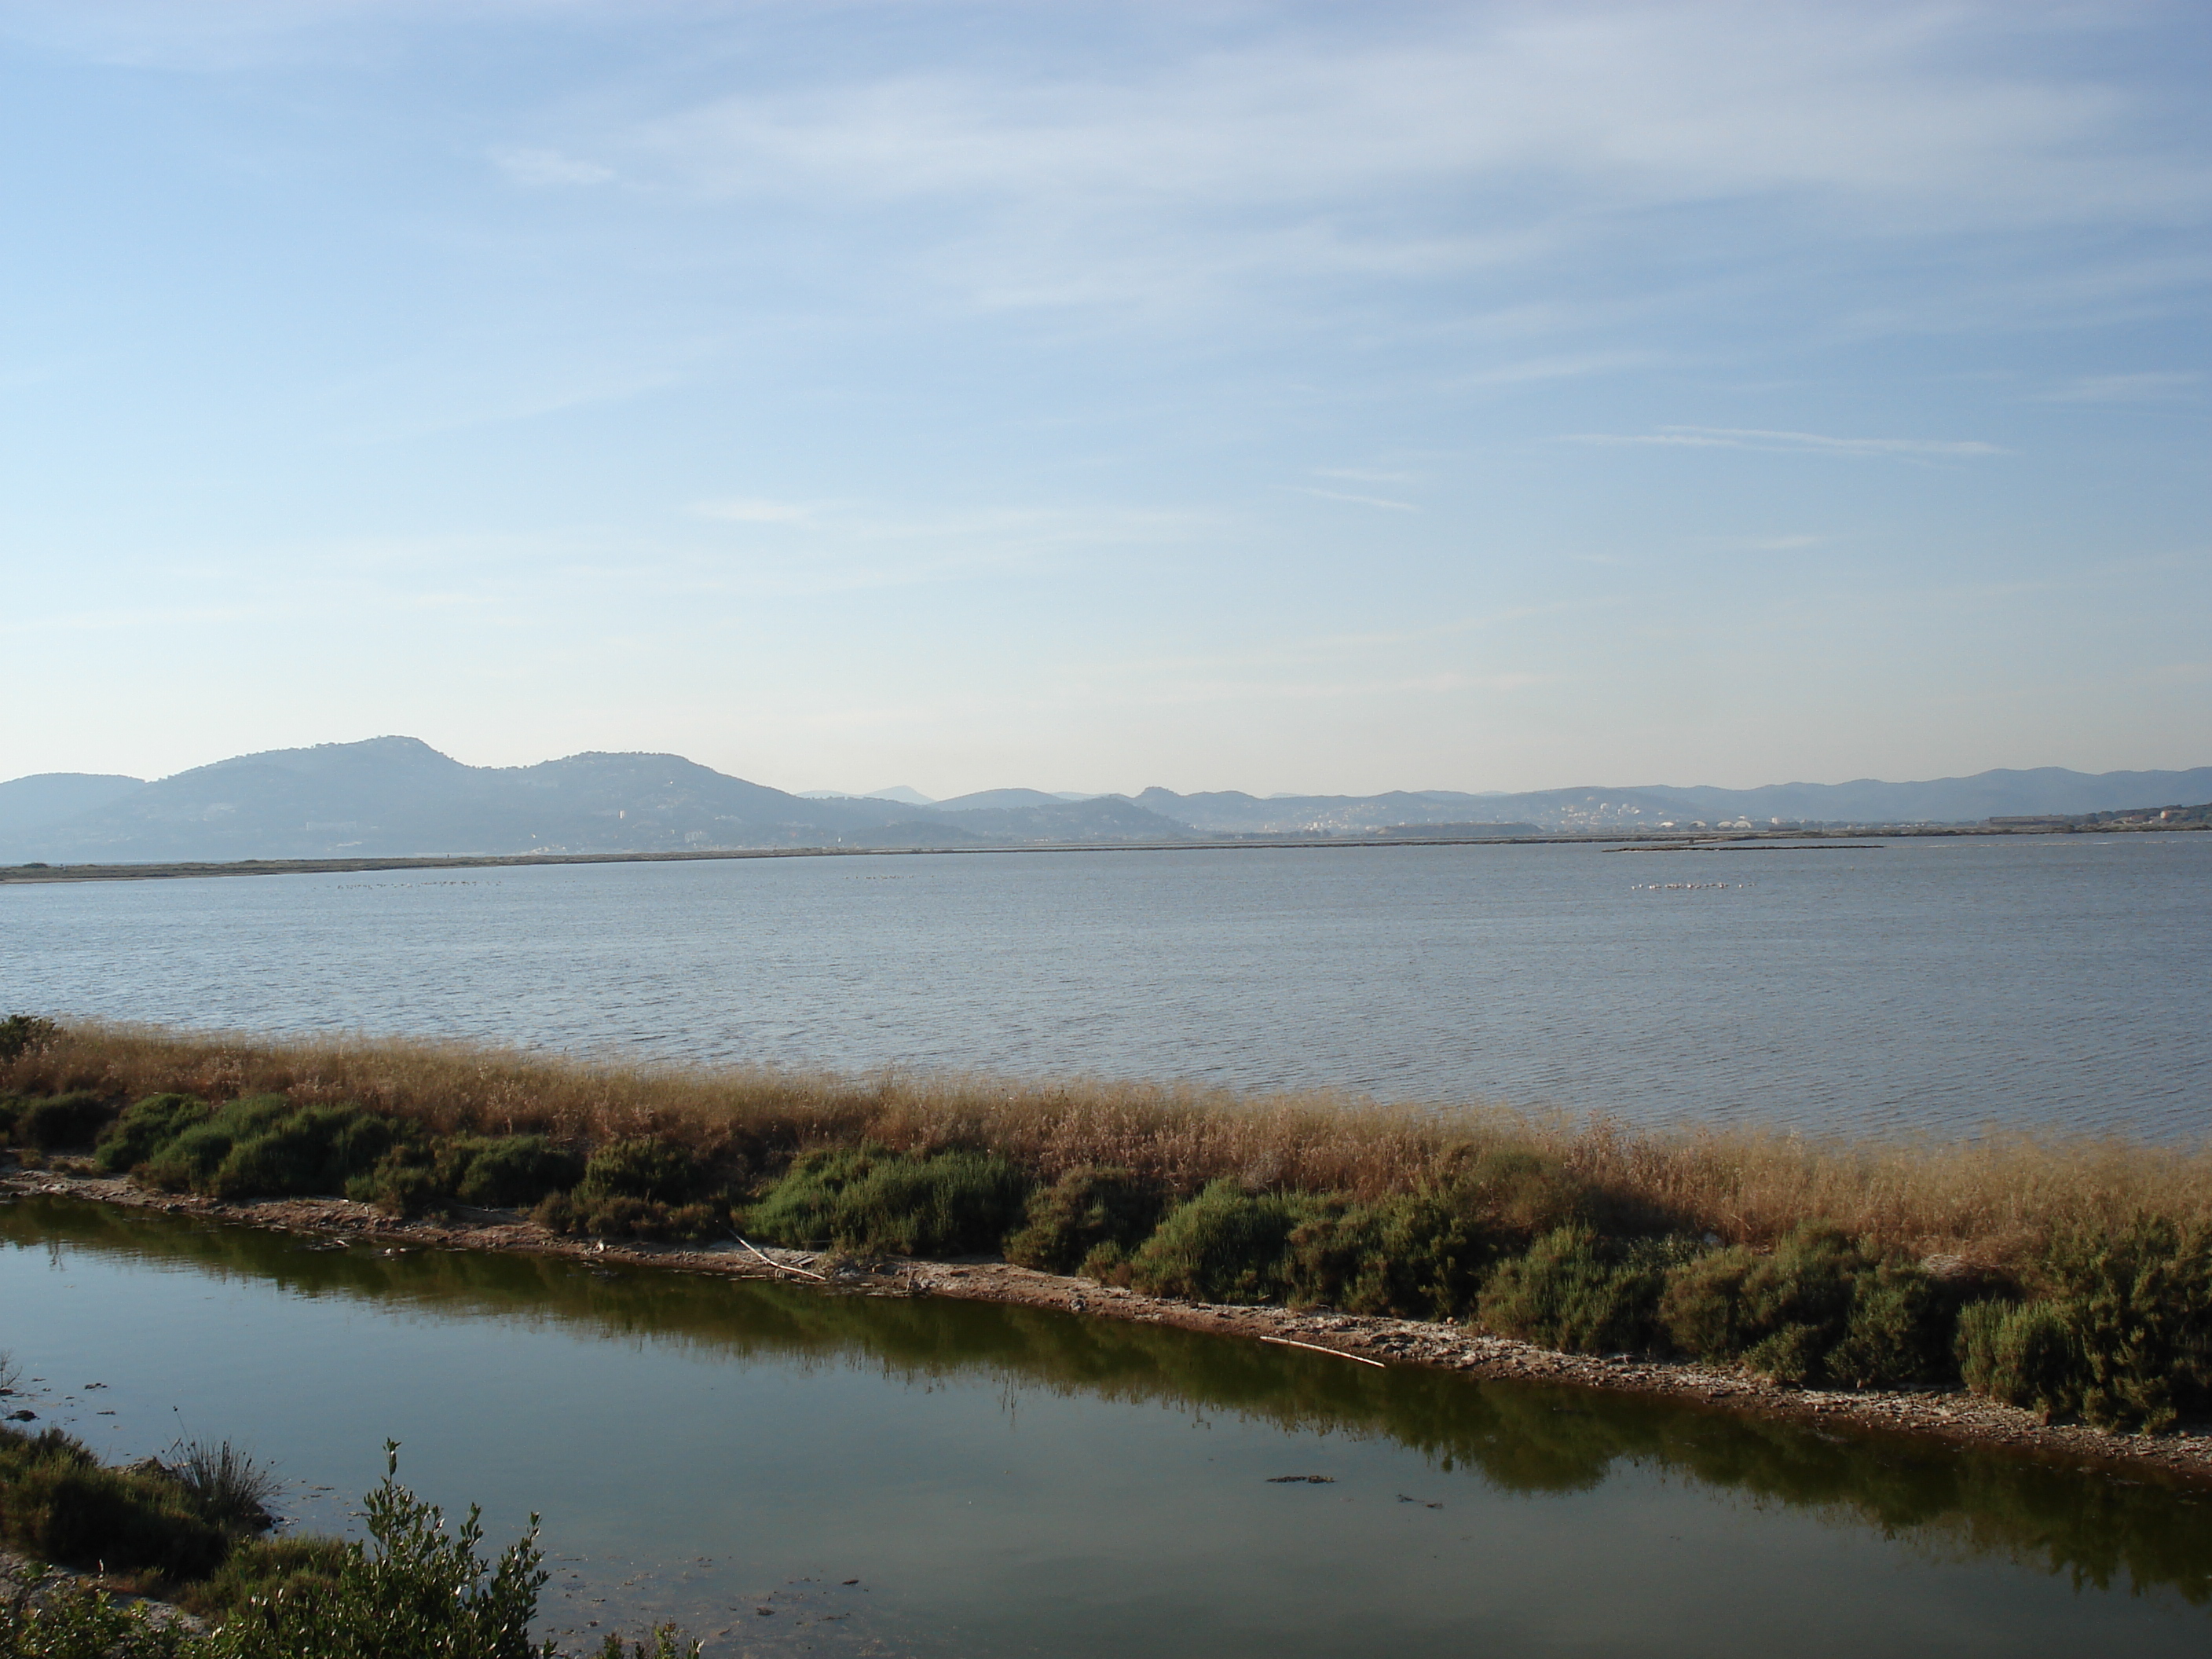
[(1000, 1481)]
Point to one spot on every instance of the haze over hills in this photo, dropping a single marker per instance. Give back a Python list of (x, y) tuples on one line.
[(398, 797)]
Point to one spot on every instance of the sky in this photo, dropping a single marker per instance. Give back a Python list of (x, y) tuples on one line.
[(1306, 398)]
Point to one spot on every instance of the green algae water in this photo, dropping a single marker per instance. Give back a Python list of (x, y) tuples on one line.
[(788, 1471)]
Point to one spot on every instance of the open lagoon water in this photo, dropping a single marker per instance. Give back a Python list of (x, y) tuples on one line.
[(1932, 985), (787, 1471)]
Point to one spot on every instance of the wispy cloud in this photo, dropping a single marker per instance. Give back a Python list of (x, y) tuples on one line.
[(1793, 443), (2153, 387), (755, 510), (526, 165), (1383, 502), (1443, 143)]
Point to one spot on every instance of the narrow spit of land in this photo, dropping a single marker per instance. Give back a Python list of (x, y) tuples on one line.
[(1777, 841), (1948, 1415), (2005, 1290)]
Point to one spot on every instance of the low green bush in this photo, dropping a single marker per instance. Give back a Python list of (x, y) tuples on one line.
[(61, 1120), (867, 1199), (263, 1146), (584, 1214), (2121, 1336), (190, 1159), (146, 1127), (1577, 1293), (506, 1171), (404, 1181), (317, 1148), (1084, 1209), (1819, 1309), (78, 1622), (2021, 1354), (1901, 1333), (265, 1569), (58, 1503), (646, 1168), (1420, 1256), (1223, 1245), (413, 1588)]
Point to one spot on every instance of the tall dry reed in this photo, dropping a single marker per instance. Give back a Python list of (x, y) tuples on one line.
[(1988, 1199)]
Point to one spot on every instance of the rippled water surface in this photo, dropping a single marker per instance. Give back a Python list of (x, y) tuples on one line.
[(1936, 984), (1012, 1481)]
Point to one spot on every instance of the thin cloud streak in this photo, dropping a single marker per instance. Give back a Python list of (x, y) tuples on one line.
[(1792, 443), (1383, 502)]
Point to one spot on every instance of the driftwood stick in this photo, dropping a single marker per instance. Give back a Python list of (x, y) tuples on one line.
[(1316, 1348), (781, 1266)]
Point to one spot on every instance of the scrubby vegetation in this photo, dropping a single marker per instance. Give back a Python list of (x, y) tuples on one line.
[(870, 1199), (412, 1589), (59, 1503), (2074, 1279)]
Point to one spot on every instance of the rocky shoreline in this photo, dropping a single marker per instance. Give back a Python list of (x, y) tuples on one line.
[(1954, 1417)]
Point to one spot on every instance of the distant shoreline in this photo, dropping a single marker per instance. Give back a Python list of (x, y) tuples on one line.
[(1700, 842)]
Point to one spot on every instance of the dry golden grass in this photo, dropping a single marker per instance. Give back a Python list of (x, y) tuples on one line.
[(1988, 1199)]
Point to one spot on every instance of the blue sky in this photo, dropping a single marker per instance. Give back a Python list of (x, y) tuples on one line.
[(1272, 396)]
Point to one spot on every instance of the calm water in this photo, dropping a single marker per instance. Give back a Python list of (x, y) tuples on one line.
[(1005, 1481), (1923, 984)]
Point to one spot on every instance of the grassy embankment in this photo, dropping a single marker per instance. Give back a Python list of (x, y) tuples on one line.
[(2071, 1276)]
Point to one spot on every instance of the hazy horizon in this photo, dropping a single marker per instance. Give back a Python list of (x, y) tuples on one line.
[(1281, 397)]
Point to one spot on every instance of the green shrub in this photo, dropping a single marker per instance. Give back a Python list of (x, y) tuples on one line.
[(2121, 1336), (1223, 1245), (24, 1034), (59, 1503), (1084, 1209), (1575, 1292), (146, 1128), (317, 1148), (192, 1159), (647, 1168), (2021, 1354), (581, 1213), (404, 1182), (1819, 1309), (264, 1569), (262, 1145), (1723, 1305), (1419, 1257), (507, 1171), (58, 1121), (1901, 1333), (867, 1199), (73, 1621), (412, 1588)]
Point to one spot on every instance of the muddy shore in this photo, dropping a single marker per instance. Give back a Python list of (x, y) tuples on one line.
[(1953, 1417)]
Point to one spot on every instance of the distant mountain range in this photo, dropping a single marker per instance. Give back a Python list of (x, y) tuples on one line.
[(398, 797)]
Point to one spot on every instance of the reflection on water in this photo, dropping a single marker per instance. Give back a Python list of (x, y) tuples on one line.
[(1007, 1479)]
